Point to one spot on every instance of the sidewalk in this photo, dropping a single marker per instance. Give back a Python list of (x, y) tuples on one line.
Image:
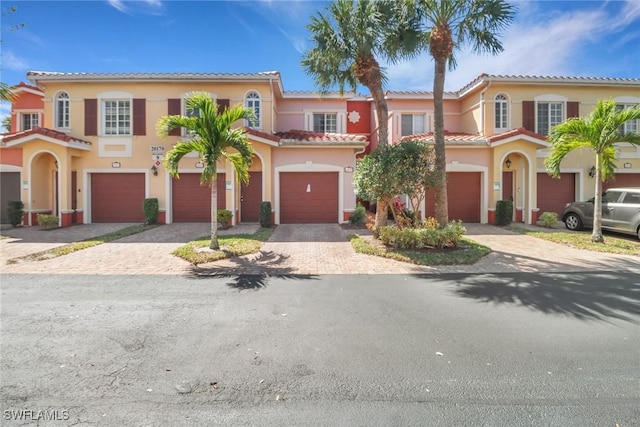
[(292, 249)]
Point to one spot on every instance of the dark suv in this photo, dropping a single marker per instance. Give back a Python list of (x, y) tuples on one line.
[(620, 212)]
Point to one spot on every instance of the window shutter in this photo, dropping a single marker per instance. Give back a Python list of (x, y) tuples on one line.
[(139, 116), (573, 109), (223, 104), (174, 110), (529, 116), (91, 117)]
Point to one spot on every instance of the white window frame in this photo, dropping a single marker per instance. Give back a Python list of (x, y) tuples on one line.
[(341, 118), (62, 110), (501, 116), (550, 100), (31, 114), (120, 127), (632, 125), (414, 131), (330, 115), (253, 101)]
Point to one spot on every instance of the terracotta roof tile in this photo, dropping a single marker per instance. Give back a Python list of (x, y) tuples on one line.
[(7, 137), (302, 136), (515, 132), (450, 138)]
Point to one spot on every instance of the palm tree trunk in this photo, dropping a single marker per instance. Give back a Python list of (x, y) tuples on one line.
[(383, 140), (596, 235), (214, 215), (441, 203)]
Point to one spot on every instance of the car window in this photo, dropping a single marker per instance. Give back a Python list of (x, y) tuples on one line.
[(631, 198), (611, 196)]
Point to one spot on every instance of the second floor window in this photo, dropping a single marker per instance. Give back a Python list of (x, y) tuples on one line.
[(29, 121), (253, 104), (412, 124), (117, 117), (62, 110), (325, 122), (191, 112), (549, 114), (631, 125), (500, 112)]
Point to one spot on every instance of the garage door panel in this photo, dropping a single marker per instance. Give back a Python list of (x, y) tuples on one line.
[(192, 201), (10, 191), (117, 197), (623, 180), (318, 205), (554, 193), (464, 191)]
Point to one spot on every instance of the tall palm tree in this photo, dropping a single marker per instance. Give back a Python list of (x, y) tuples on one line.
[(348, 38), (448, 25), (599, 131), (212, 137), (6, 93)]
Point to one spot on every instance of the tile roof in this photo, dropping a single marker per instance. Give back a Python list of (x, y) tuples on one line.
[(51, 75), (450, 138), (23, 85), (303, 137), (61, 136), (515, 132)]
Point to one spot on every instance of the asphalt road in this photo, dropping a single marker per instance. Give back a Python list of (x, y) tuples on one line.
[(494, 350)]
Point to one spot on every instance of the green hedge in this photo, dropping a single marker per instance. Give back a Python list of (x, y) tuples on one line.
[(420, 238), (504, 212), (265, 214), (359, 215), (150, 210), (15, 212), (224, 216), (47, 221)]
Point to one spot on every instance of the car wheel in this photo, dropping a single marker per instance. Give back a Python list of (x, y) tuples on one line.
[(573, 222), (638, 233)]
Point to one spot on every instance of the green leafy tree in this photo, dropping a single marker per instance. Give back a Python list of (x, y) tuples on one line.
[(6, 123), (348, 38), (389, 171), (599, 132), (448, 25), (210, 135)]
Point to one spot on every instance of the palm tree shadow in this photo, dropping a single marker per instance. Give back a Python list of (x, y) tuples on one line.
[(583, 296), (251, 273)]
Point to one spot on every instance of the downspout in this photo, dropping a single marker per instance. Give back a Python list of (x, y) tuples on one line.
[(482, 132)]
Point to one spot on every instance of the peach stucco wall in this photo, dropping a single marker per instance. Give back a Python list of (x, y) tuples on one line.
[(11, 156)]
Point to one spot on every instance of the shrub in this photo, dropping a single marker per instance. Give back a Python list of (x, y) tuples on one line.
[(47, 221), (265, 214), (419, 238), (358, 216), (548, 219), (504, 212), (150, 207), (15, 211), (224, 216)]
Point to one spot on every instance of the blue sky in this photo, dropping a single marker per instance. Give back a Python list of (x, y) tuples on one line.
[(560, 38)]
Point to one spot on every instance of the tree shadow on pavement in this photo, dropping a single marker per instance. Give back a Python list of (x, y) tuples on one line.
[(584, 296), (250, 272)]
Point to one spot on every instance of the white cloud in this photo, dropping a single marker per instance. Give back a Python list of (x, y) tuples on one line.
[(12, 62), (118, 4), (152, 7)]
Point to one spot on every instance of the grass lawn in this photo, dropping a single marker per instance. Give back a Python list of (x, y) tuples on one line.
[(84, 244), (197, 252), (467, 252), (613, 244)]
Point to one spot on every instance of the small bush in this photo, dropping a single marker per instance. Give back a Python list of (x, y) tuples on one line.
[(265, 214), (15, 212), (548, 219), (419, 238), (150, 207), (504, 212), (358, 216), (224, 216), (47, 221)]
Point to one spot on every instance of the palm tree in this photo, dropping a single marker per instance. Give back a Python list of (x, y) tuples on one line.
[(211, 136), (348, 37), (448, 25), (599, 131), (6, 93)]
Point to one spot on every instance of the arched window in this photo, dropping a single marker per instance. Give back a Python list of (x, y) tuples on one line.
[(252, 102), (501, 112), (62, 110)]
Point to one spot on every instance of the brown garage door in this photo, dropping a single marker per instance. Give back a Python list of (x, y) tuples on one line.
[(553, 193), (308, 197), (117, 197), (622, 180), (10, 191), (463, 196), (192, 201)]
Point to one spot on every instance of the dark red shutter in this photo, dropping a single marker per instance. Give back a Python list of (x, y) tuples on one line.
[(174, 107), (529, 116), (573, 109), (223, 104), (139, 117), (90, 116)]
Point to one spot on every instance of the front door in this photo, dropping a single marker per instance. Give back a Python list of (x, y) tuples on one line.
[(250, 198)]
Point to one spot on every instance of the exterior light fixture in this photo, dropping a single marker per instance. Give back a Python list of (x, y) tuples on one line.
[(199, 165), (348, 169), (627, 165), (154, 170), (592, 171), (115, 164), (508, 163)]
